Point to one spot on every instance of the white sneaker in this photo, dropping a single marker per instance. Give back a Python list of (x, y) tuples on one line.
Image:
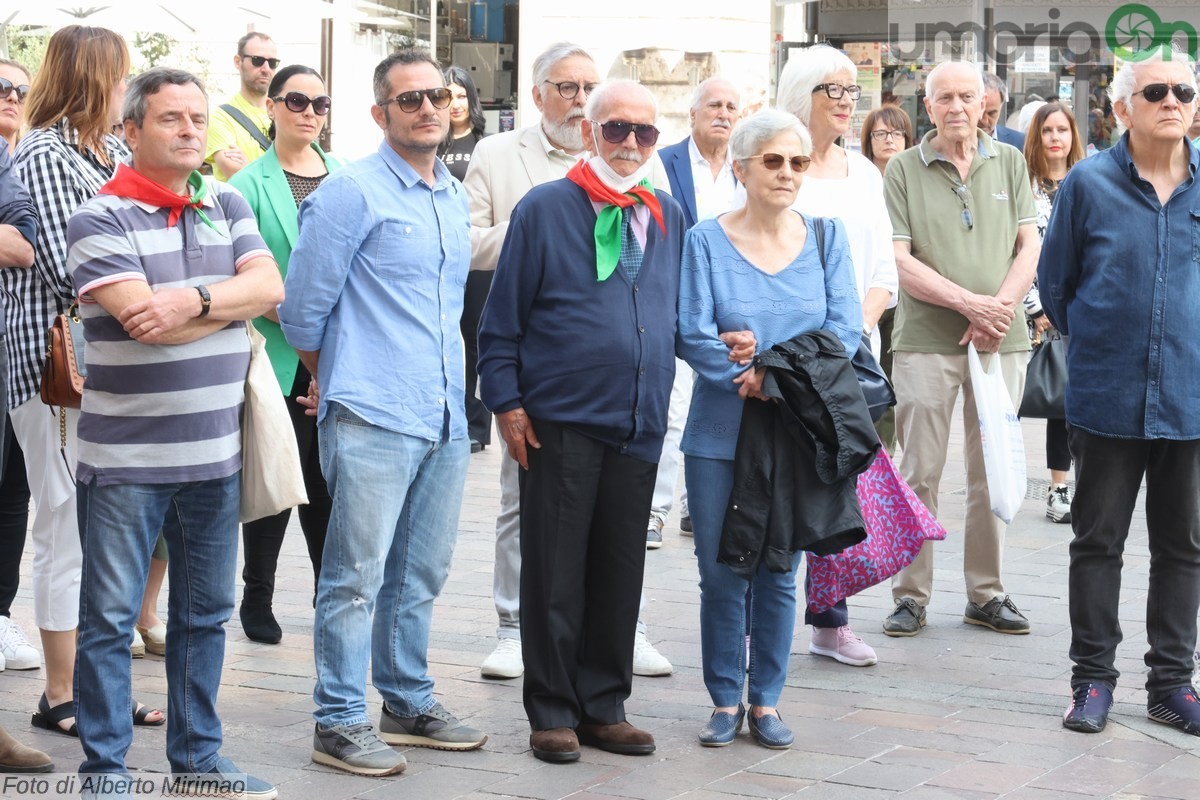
[(1, 662), (1058, 503), (15, 650), (647, 661), (505, 661), (654, 531)]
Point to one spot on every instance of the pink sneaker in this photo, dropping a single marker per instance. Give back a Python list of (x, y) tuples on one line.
[(841, 644)]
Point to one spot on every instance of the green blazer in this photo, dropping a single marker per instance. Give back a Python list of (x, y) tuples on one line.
[(265, 188)]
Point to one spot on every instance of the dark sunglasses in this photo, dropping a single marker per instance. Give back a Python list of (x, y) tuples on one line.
[(298, 102), (968, 219), (617, 132), (7, 87), (568, 89), (258, 61), (774, 161), (1157, 92), (411, 101)]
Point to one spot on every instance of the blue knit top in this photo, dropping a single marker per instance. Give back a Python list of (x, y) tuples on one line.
[(721, 291)]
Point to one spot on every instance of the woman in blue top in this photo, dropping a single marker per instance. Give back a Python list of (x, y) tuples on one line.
[(274, 186), (753, 269)]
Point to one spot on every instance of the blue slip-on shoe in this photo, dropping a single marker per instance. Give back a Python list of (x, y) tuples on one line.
[(769, 731), (722, 727), (1090, 704), (1181, 710), (223, 780)]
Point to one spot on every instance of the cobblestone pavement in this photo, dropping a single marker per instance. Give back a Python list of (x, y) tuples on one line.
[(958, 712)]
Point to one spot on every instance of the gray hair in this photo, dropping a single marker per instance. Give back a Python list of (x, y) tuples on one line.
[(600, 94), (701, 92), (551, 56), (806, 70), (936, 73), (993, 83), (1120, 90), (753, 132), (150, 82)]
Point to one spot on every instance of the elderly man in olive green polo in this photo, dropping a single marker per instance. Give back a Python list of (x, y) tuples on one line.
[(964, 230)]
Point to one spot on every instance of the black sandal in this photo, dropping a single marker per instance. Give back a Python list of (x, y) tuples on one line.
[(140, 714), (48, 718)]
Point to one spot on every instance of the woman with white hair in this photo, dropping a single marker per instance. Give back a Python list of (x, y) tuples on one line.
[(757, 269), (817, 85)]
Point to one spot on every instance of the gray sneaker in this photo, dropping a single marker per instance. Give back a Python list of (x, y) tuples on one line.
[(906, 620), (437, 728), (357, 749)]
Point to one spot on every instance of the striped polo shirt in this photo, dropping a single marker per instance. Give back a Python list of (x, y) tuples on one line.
[(160, 413)]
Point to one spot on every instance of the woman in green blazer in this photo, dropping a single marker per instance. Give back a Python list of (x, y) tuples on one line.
[(275, 185)]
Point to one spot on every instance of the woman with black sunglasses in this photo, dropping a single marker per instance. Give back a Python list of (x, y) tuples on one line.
[(758, 269), (466, 129), (275, 185), (14, 88)]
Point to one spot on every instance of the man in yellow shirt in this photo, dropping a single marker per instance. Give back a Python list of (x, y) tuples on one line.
[(237, 130)]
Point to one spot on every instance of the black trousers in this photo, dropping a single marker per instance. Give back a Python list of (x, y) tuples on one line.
[(1058, 448), (583, 548), (1108, 473), (479, 419), (262, 539), (14, 515)]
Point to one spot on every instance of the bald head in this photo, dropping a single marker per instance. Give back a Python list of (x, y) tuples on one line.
[(619, 125), (613, 93)]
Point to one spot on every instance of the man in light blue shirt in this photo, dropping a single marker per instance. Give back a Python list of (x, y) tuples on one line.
[(374, 296)]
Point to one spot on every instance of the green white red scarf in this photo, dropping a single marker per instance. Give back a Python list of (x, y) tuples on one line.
[(127, 182), (608, 221)]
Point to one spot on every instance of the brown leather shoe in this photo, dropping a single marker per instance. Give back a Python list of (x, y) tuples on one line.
[(556, 745), (16, 757), (621, 738)]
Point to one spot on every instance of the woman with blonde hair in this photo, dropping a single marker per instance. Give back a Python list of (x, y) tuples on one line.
[(68, 153)]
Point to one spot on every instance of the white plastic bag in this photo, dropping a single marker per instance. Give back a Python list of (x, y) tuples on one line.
[(1000, 430)]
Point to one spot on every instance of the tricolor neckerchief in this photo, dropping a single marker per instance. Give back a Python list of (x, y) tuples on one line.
[(608, 221)]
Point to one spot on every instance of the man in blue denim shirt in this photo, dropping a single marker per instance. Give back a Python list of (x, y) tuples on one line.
[(1121, 253), (374, 296)]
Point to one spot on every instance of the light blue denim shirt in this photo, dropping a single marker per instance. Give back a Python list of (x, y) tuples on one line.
[(1120, 275), (375, 282)]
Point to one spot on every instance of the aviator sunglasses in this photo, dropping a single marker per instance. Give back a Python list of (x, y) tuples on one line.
[(411, 101), (617, 132), (1157, 92), (7, 87), (774, 161), (298, 101)]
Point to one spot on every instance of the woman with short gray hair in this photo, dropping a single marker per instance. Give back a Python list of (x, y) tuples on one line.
[(818, 86), (757, 269)]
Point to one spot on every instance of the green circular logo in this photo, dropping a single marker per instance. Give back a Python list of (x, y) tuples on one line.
[(1132, 31)]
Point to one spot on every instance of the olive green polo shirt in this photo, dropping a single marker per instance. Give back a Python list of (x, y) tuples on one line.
[(926, 205)]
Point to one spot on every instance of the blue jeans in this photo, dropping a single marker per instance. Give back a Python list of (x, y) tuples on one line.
[(118, 526), (723, 611), (391, 534)]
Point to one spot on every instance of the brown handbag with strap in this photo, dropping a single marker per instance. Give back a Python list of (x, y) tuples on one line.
[(64, 371)]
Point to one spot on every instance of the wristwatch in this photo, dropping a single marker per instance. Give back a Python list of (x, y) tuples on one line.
[(205, 300)]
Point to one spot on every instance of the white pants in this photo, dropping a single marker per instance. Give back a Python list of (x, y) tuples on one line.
[(668, 464), (57, 558)]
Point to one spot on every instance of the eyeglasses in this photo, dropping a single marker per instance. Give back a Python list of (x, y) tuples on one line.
[(298, 102), (1157, 92), (774, 161), (7, 87), (879, 136), (617, 132), (835, 90), (412, 101), (568, 89), (967, 219), (258, 61)]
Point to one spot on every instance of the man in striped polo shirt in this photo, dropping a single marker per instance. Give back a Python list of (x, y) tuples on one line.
[(167, 266)]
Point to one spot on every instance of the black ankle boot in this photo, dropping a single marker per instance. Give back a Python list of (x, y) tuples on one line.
[(259, 623)]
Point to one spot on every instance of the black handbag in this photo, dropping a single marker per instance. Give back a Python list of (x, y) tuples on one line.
[(876, 388), (1045, 394)]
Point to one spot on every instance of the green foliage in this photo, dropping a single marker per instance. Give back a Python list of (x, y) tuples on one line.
[(25, 44), (153, 48)]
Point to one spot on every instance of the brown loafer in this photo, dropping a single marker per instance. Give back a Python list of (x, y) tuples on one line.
[(556, 745), (16, 757), (621, 738)]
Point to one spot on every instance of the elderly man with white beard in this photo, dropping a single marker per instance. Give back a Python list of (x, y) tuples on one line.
[(577, 355), (503, 169)]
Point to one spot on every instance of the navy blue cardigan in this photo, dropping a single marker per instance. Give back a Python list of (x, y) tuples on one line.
[(598, 357)]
